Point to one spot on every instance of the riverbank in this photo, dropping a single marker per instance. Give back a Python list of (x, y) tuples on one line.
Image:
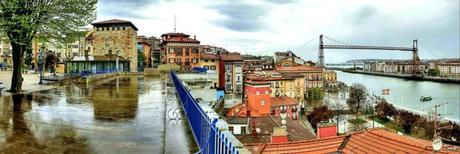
[(405, 76)]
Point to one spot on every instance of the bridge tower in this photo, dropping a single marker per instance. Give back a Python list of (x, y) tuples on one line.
[(321, 52)]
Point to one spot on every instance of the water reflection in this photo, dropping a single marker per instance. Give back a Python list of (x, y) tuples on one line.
[(18, 133), (116, 100)]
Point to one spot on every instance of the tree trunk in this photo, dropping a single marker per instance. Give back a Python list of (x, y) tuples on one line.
[(18, 58)]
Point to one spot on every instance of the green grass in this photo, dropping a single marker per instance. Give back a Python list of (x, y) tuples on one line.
[(357, 121)]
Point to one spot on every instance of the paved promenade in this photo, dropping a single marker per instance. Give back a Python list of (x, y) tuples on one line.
[(30, 83)]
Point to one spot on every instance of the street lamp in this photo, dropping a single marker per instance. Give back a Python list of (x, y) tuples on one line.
[(41, 63)]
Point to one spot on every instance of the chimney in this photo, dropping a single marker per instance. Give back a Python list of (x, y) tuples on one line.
[(326, 130), (279, 135), (194, 37)]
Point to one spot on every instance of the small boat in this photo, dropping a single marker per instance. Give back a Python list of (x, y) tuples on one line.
[(425, 98)]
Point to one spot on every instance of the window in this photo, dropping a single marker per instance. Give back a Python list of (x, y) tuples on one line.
[(171, 60), (205, 60), (262, 102), (257, 92), (243, 130), (266, 92), (194, 60), (187, 52), (178, 60), (212, 60), (194, 50), (171, 50), (213, 67), (207, 67), (178, 51), (230, 129)]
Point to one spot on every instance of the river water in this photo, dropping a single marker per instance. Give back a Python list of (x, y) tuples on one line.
[(406, 93), (119, 115)]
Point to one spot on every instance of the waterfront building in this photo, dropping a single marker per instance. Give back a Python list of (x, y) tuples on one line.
[(144, 53), (449, 69), (231, 72), (313, 75), (114, 37), (210, 61), (280, 85), (277, 56), (330, 78), (180, 49)]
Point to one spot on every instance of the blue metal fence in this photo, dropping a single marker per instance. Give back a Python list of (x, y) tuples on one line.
[(208, 137)]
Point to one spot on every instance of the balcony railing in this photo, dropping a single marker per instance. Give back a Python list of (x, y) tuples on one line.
[(208, 136)]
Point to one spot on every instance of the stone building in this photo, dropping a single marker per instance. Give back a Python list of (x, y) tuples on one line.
[(179, 48), (114, 37)]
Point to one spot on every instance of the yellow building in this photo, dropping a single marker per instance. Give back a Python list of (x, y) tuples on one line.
[(330, 78), (113, 37), (210, 62)]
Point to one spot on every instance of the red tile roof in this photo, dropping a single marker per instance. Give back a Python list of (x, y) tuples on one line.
[(207, 56), (371, 141), (283, 100), (299, 69), (231, 57), (181, 39), (113, 22)]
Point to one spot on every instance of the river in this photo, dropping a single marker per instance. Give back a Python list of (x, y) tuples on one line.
[(406, 93)]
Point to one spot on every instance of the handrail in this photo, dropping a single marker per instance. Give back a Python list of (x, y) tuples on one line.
[(205, 132)]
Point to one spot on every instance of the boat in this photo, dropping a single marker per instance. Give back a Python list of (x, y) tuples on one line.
[(425, 98)]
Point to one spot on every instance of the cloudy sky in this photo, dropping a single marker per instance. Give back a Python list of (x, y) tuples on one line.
[(261, 27)]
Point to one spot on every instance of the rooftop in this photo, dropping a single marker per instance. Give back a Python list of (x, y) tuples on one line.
[(299, 69), (114, 22), (207, 56), (370, 141), (283, 101), (231, 57)]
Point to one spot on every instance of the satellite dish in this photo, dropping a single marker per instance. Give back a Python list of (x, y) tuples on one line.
[(283, 122), (258, 130), (437, 144), (454, 139)]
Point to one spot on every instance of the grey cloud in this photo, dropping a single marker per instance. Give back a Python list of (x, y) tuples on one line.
[(124, 8), (240, 16), (364, 13), (280, 1)]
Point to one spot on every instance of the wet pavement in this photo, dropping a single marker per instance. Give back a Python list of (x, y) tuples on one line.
[(121, 115)]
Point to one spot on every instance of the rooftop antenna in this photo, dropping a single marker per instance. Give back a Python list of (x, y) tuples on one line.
[(174, 23)]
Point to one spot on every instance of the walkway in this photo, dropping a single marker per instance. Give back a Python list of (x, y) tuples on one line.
[(120, 115)]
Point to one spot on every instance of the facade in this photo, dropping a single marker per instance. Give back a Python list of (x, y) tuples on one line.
[(277, 56), (211, 63), (257, 95), (114, 37), (144, 53), (330, 78), (97, 64), (179, 48), (231, 72), (212, 49), (286, 105), (237, 125), (313, 75), (155, 50), (286, 62), (449, 69), (5, 53), (252, 63)]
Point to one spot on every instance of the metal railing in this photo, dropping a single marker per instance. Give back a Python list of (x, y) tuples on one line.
[(207, 135)]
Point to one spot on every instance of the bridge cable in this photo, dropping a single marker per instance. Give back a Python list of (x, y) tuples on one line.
[(337, 41), (307, 42)]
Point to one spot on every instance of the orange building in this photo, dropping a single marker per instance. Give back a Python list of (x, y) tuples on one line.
[(179, 48), (258, 98)]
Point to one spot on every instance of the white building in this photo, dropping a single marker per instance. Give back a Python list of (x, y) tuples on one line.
[(238, 126)]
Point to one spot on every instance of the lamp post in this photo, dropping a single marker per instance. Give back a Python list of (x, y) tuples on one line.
[(40, 63)]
